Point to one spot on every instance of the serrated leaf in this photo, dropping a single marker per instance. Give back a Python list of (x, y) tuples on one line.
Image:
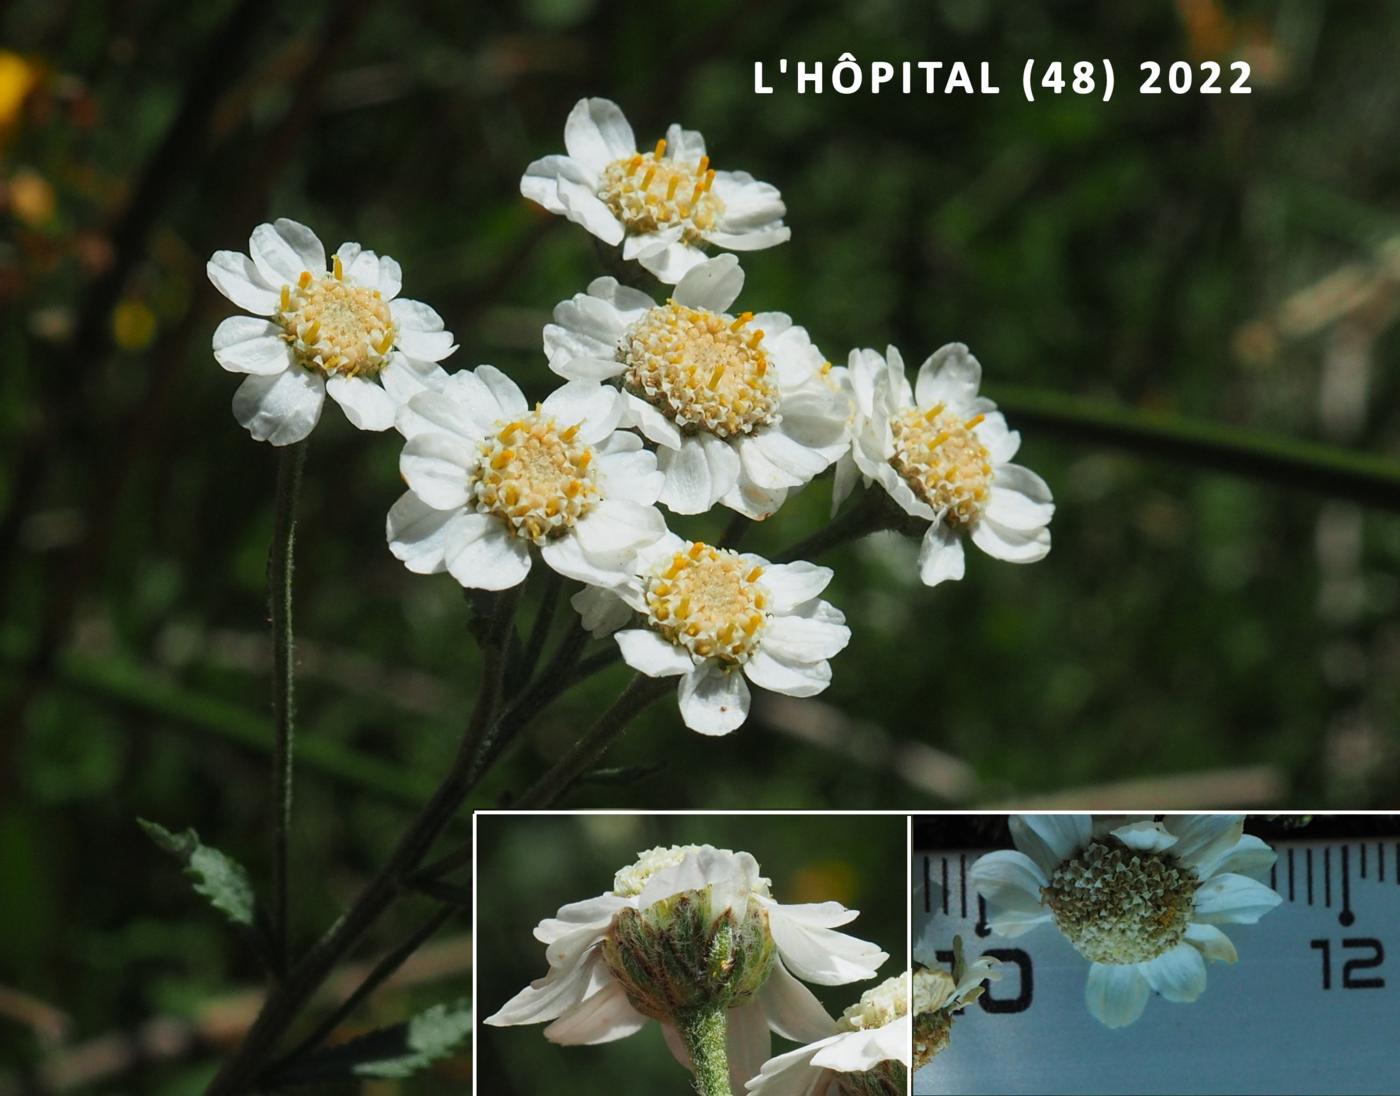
[(392, 1052), (428, 1037), (219, 878)]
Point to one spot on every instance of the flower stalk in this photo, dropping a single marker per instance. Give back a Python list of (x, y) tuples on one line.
[(704, 1032), (291, 462), (594, 742)]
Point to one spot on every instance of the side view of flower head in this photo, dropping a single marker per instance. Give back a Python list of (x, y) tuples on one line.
[(939, 995), (489, 479), (665, 205), (715, 617), (314, 330), (737, 406), (867, 1056), (943, 454), (1139, 899), (691, 936)]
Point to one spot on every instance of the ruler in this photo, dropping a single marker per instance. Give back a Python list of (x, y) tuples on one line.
[(1312, 1006)]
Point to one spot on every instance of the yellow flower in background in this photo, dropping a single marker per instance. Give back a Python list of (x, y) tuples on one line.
[(17, 80)]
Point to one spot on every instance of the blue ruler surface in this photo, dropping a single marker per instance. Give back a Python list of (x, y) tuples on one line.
[(1312, 1006)]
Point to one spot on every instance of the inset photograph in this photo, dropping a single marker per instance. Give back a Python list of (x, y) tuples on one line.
[(723, 955), (1138, 954)]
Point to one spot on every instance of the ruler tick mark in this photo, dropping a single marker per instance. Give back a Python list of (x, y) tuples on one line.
[(1327, 876), (962, 882), (1290, 875), (1346, 917), (944, 861), (1310, 877), (928, 888)]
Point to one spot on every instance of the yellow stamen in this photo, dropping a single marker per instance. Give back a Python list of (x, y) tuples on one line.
[(974, 421), (704, 165), (660, 148), (338, 267)]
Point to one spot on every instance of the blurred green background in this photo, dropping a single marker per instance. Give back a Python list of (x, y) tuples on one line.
[(528, 866), (1196, 637)]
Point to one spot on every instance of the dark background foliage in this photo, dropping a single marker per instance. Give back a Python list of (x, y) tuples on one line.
[(1195, 638)]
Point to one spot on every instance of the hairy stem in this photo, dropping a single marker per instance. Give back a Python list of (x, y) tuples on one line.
[(594, 742), (704, 1033), (870, 513), (544, 617), (382, 971), (291, 461), (241, 1071)]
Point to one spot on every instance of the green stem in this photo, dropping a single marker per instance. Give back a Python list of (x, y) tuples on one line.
[(871, 512), (594, 742), (240, 1072), (734, 531), (544, 618), (1288, 462), (382, 971), (290, 463), (704, 1035)]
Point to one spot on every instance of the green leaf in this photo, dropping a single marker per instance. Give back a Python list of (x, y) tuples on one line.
[(219, 878), (391, 1052), (428, 1037)]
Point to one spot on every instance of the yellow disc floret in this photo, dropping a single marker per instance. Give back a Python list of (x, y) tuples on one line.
[(709, 601), (651, 191), (334, 327), (941, 458), (703, 370), (536, 476)]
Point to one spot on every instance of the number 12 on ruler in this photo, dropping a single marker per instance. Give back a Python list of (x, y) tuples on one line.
[(1350, 979)]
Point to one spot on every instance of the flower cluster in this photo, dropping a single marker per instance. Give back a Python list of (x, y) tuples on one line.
[(1139, 899), (690, 930), (680, 400)]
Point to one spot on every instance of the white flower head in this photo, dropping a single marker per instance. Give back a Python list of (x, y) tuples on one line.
[(739, 407), (939, 995), (714, 617), (341, 329), (489, 479), (1139, 899), (664, 206), (943, 453), (593, 994), (868, 1054)]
